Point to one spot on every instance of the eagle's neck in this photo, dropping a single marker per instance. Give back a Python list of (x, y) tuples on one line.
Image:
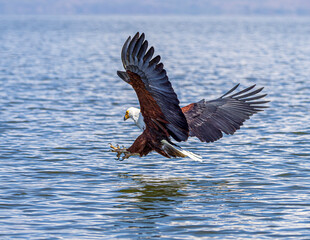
[(138, 119)]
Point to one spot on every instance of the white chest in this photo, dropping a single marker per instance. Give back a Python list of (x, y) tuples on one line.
[(140, 122)]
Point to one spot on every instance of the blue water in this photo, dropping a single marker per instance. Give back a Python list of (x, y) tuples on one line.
[(61, 104)]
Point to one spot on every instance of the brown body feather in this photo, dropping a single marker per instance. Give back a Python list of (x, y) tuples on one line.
[(187, 108), (154, 120)]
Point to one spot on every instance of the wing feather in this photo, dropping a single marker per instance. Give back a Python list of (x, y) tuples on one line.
[(124, 52), (140, 65), (149, 54), (143, 50), (208, 120), (138, 45)]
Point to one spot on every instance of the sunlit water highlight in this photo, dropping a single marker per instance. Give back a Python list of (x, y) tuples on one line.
[(61, 104)]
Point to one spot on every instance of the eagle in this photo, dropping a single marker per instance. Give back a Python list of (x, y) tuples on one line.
[(160, 116)]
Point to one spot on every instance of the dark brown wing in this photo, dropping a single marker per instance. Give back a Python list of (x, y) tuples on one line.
[(208, 120), (158, 101)]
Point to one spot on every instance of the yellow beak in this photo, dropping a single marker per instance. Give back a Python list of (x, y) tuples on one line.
[(126, 116)]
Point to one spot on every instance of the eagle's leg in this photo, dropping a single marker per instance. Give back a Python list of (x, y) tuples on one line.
[(129, 154), (121, 151)]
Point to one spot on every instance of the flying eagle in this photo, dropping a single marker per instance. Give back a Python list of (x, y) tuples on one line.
[(161, 117)]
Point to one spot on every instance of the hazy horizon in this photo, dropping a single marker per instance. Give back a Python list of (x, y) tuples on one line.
[(156, 7)]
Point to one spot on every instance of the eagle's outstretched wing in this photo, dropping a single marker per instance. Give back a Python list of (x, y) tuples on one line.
[(158, 101), (208, 120)]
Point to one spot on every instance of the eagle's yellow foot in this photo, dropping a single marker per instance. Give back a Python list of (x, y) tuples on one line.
[(121, 151)]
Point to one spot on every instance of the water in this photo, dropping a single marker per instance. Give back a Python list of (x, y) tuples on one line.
[(61, 104)]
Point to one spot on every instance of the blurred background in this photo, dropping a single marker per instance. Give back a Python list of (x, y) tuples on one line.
[(162, 7), (61, 104)]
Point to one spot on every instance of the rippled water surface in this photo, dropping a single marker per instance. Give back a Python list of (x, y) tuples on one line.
[(61, 104)]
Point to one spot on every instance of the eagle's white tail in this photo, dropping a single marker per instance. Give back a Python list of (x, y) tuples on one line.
[(176, 151)]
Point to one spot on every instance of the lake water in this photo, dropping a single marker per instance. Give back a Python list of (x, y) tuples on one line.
[(61, 104)]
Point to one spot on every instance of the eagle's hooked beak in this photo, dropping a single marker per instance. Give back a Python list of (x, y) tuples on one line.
[(126, 116)]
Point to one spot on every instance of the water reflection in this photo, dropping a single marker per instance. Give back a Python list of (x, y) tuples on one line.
[(147, 193), (154, 198), (150, 202)]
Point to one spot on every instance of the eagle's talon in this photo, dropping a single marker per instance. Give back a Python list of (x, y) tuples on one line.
[(113, 148), (119, 159), (119, 152)]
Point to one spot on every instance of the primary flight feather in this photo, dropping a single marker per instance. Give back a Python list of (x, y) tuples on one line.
[(160, 116)]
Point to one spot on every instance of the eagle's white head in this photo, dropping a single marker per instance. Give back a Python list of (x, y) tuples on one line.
[(136, 116)]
